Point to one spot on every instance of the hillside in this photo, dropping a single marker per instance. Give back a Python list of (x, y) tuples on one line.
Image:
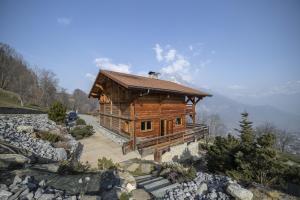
[(9, 99), (230, 110)]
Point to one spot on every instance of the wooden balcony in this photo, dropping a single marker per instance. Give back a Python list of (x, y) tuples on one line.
[(161, 143), (189, 109)]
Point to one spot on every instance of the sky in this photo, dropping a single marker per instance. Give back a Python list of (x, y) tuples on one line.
[(246, 50)]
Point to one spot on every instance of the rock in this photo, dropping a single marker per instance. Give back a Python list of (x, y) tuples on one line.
[(108, 180), (88, 197), (38, 193), (61, 154), (47, 196), (130, 187), (202, 188), (140, 194), (29, 196), (3, 187), (238, 192), (12, 160), (42, 183), (27, 129), (133, 167), (17, 180), (52, 167), (146, 168), (4, 195)]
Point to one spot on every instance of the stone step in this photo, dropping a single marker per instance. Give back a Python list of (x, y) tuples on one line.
[(160, 192), (143, 178), (156, 184), (149, 181)]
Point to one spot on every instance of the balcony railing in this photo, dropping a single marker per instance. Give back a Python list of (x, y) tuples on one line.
[(191, 134)]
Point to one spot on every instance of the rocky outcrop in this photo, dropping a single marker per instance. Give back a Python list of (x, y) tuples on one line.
[(17, 130), (12, 160), (29, 188), (209, 186), (238, 192)]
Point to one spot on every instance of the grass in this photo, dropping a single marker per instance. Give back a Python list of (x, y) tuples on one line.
[(13, 100), (9, 99), (290, 159), (44, 135)]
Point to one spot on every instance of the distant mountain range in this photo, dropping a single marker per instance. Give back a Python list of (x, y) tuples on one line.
[(229, 110)]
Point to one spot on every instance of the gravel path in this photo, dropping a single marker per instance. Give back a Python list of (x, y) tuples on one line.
[(102, 145)]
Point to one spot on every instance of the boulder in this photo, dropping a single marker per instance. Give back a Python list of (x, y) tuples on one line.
[(61, 154), (89, 197), (140, 194), (146, 168), (133, 167), (202, 188), (238, 192), (130, 187), (4, 194), (52, 167), (27, 129), (12, 160)]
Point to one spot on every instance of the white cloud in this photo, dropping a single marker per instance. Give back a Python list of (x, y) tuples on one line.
[(191, 47), (106, 63), (90, 76), (170, 56), (64, 20), (158, 51)]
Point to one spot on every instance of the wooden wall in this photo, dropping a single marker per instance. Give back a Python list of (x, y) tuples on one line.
[(115, 108), (157, 107)]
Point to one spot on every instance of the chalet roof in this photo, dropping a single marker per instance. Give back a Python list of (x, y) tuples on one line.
[(139, 82)]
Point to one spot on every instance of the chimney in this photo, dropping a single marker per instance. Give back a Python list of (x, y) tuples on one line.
[(152, 74)]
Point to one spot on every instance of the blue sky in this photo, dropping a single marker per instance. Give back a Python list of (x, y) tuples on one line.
[(243, 49)]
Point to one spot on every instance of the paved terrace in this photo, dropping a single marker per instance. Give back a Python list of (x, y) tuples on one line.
[(101, 145)]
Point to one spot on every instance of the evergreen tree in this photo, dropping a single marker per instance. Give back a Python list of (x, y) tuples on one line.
[(246, 131), (57, 112)]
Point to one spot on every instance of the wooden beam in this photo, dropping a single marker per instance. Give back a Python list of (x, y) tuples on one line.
[(99, 86)]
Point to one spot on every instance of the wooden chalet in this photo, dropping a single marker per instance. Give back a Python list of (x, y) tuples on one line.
[(152, 113)]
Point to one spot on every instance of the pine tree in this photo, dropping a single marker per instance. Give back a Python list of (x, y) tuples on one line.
[(246, 131)]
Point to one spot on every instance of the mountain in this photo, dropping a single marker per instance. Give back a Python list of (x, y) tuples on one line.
[(230, 112)]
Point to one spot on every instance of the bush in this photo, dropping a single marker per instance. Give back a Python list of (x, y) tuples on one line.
[(80, 121), (104, 164), (177, 173), (125, 196), (81, 132), (75, 167), (57, 112), (51, 137)]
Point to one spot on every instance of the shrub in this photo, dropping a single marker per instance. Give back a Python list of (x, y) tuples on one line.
[(104, 164), (125, 196), (57, 112), (81, 132), (177, 173), (80, 121), (75, 167), (51, 137)]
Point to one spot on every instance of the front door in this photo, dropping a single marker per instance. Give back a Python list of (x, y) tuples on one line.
[(163, 127), (170, 126)]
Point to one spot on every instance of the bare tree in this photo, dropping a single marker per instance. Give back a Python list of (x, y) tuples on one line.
[(48, 84), (64, 98), (284, 139), (265, 128)]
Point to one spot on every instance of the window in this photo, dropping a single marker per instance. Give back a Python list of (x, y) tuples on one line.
[(146, 125), (178, 121)]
